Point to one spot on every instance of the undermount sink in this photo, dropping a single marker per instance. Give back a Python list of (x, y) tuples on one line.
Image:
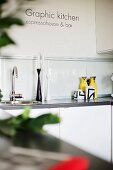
[(24, 102)]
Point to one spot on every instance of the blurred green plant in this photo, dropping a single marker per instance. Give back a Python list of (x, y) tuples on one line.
[(1, 95), (11, 126), (9, 19)]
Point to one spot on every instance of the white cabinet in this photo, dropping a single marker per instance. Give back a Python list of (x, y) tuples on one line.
[(112, 134), (104, 25), (88, 128)]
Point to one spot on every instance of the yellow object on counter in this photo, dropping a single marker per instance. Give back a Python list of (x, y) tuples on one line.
[(83, 83), (94, 84)]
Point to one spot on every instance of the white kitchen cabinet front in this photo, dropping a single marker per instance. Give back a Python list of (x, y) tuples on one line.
[(89, 128), (104, 25), (112, 134)]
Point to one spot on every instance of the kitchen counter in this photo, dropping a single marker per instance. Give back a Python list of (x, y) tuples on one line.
[(51, 145), (60, 103)]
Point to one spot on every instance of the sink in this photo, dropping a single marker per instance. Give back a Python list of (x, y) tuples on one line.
[(25, 102), (17, 102)]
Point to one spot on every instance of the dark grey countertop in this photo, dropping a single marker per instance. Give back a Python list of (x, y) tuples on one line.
[(60, 103), (48, 143)]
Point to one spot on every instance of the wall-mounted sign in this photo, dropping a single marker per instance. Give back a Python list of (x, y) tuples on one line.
[(48, 18)]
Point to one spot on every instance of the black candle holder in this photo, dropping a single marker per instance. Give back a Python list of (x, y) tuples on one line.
[(39, 93)]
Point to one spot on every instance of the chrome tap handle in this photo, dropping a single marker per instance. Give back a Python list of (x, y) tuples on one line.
[(13, 97)]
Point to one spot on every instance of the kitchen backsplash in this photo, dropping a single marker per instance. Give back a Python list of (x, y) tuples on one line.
[(61, 76), (25, 83)]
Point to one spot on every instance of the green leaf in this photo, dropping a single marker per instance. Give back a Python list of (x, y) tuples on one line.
[(25, 114), (5, 39), (8, 130), (7, 22), (23, 122), (1, 94), (18, 122), (42, 120), (3, 1)]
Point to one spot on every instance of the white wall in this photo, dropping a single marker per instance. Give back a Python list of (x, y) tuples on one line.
[(58, 42), (77, 41)]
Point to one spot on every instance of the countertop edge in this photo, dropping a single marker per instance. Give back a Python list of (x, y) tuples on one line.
[(60, 104)]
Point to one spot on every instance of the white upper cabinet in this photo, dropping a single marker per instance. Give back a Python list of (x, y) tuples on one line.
[(104, 25)]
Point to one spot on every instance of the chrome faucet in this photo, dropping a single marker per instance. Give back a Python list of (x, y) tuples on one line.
[(14, 75), (13, 95)]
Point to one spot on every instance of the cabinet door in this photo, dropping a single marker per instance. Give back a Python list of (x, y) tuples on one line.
[(112, 133), (104, 25), (88, 128)]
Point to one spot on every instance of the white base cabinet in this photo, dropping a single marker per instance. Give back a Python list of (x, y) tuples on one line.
[(112, 134), (89, 128)]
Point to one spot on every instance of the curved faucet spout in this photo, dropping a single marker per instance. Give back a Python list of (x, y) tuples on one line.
[(14, 75), (15, 72), (13, 95)]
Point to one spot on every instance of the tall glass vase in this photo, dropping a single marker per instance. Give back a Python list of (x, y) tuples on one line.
[(39, 93)]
